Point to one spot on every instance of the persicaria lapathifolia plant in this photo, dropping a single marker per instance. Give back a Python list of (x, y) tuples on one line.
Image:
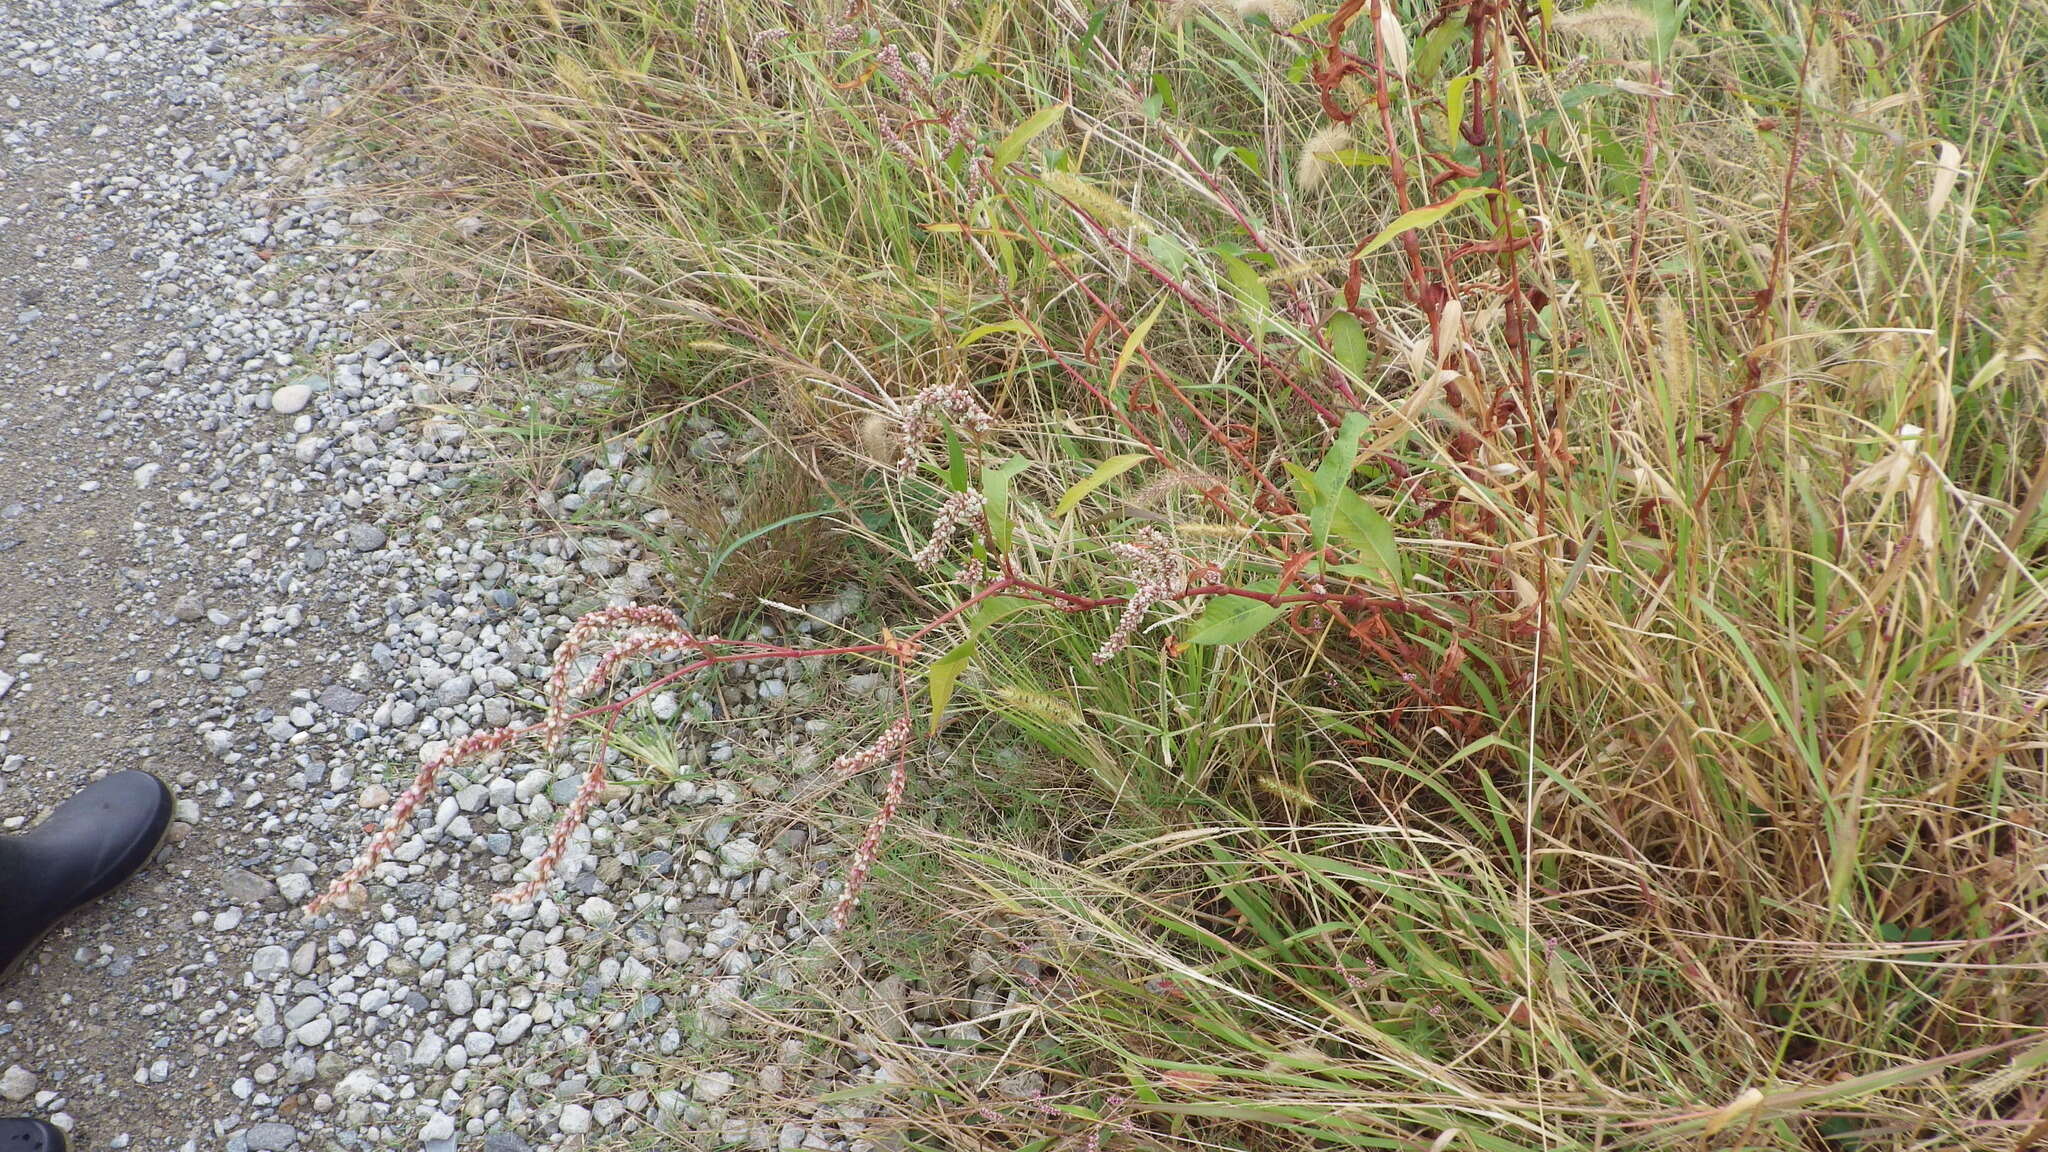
[(1159, 573)]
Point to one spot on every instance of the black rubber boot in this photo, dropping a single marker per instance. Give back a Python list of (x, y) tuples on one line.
[(19, 1134), (87, 847)]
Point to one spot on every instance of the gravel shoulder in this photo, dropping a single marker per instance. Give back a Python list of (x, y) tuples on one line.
[(233, 551)]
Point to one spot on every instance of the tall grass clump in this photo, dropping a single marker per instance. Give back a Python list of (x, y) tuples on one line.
[(1513, 535)]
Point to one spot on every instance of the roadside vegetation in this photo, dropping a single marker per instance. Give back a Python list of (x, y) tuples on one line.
[(1490, 557)]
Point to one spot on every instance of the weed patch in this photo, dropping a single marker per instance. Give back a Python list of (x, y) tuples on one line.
[(1514, 535)]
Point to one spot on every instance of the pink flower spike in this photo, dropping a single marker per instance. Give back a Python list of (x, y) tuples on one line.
[(892, 741), (871, 843), (960, 510), (1159, 572)]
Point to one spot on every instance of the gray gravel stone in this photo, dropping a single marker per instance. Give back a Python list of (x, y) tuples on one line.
[(341, 700), (18, 1083), (291, 399), (297, 584), (272, 1137)]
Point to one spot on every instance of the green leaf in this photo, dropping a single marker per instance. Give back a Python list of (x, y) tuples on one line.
[(984, 331), (1348, 345), (1162, 90), (1454, 101), (1135, 343), (1304, 483), (944, 673), (1333, 475), (956, 461), (995, 488), (1104, 472), (993, 609), (1249, 289), (1370, 536), (1670, 16), (1231, 620), (1423, 217), (1021, 137), (1430, 53), (1167, 253), (1357, 158)]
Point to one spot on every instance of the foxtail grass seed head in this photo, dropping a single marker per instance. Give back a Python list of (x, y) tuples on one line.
[(1043, 707), (875, 436), (1280, 13), (1613, 27), (1179, 12), (1319, 156), (1176, 480), (1673, 336), (1100, 206), (2030, 334)]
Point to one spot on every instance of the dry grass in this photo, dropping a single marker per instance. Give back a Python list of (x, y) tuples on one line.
[(1700, 799), (769, 541)]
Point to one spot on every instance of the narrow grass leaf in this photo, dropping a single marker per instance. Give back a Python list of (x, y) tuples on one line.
[(1135, 343), (1020, 138), (1104, 472), (982, 332), (1423, 217)]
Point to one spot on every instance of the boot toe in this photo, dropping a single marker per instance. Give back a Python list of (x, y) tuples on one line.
[(20, 1134), (113, 826), (92, 842)]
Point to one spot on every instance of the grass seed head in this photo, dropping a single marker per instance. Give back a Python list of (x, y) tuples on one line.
[(1318, 156), (1617, 26)]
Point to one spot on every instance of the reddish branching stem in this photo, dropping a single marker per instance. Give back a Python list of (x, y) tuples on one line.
[(640, 634)]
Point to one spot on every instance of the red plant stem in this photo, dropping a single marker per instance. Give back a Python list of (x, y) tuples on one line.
[(1640, 229), (1067, 601), (1397, 168), (1071, 602), (1752, 361)]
